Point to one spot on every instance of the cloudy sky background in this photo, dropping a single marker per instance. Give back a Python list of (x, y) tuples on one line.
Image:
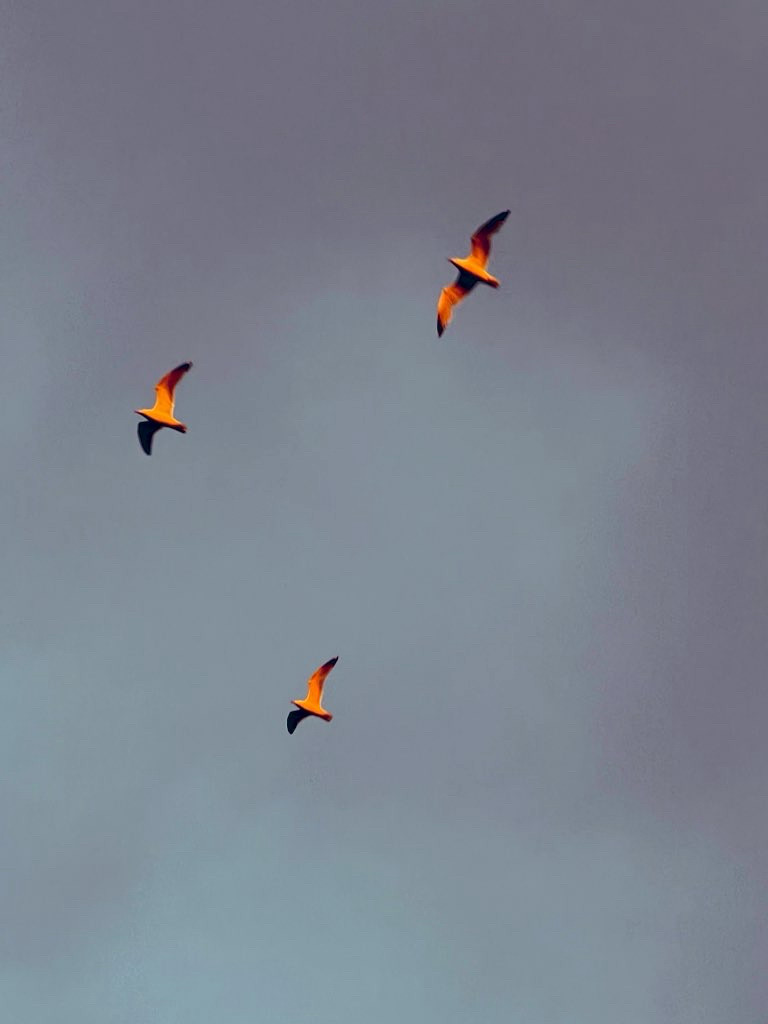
[(538, 545)]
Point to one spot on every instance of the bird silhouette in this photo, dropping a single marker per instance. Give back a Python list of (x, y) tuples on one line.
[(471, 271), (312, 703), (161, 413)]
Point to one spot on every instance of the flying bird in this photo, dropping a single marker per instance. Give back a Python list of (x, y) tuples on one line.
[(161, 413), (471, 270), (312, 703)]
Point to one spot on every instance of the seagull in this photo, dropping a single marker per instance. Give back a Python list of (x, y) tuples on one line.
[(471, 270), (312, 703), (161, 413)]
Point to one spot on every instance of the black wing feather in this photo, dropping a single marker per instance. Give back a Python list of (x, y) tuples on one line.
[(147, 430), (294, 717)]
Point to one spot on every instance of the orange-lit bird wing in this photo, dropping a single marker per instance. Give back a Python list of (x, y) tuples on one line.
[(451, 296), (165, 388), (481, 240), (317, 680)]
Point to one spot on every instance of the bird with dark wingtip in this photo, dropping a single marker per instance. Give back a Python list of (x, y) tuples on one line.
[(471, 271), (313, 702), (161, 413)]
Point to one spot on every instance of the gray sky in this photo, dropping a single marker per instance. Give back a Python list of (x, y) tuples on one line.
[(538, 545)]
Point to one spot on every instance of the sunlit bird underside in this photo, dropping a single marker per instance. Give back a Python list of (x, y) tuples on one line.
[(161, 413), (471, 271), (313, 702)]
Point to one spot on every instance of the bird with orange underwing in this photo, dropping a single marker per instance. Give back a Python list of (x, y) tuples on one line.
[(312, 704), (161, 413), (471, 271)]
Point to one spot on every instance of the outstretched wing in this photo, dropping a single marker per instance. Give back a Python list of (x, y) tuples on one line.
[(147, 430), (481, 240), (451, 296), (165, 388), (316, 681), (294, 717)]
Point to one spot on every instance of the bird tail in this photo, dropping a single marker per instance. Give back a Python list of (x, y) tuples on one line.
[(489, 279)]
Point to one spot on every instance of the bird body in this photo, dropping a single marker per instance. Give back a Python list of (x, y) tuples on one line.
[(471, 271), (474, 269), (161, 413), (312, 704)]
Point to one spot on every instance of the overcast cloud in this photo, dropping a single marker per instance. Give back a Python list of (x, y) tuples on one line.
[(538, 545)]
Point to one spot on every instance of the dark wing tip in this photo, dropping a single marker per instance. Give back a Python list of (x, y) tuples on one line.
[(331, 663), (181, 369), (440, 328), (492, 225)]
